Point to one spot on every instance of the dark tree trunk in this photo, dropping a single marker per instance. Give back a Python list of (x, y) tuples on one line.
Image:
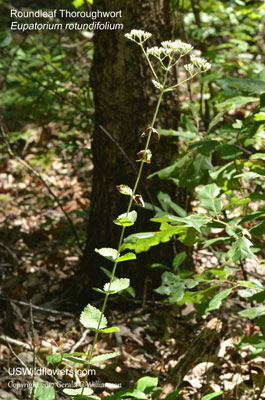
[(125, 101)]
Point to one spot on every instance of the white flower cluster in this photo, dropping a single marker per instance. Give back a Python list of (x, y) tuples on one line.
[(169, 49), (189, 68), (138, 36), (159, 52), (169, 54), (200, 63), (179, 46)]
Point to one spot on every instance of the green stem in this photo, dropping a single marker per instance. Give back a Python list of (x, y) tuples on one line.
[(90, 354), (149, 62), (180, 83)]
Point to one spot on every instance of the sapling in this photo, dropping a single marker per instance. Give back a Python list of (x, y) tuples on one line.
[(169, 55)]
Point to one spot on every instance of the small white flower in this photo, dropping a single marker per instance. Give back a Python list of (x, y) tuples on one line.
[(179, 46), (189, 68), (158, 52), (138, 36), (200, 63)]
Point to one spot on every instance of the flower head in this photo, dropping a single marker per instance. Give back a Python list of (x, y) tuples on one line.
[(178, 46), (138, 36), (200, 63), (158, 52), (189, 68)]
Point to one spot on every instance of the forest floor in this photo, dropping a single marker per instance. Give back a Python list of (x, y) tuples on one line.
[(38, 254)]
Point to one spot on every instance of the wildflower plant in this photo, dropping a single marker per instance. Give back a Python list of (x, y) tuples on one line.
[(169, 54)]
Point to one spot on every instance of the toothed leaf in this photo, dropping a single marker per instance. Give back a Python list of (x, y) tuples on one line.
[(118, 285), (90, 317)]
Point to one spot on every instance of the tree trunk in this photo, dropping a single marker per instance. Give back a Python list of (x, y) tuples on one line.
[(125, 100)]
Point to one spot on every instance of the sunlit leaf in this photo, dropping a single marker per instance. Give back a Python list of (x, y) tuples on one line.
[(124, 189), (110, 330), (54, 358), (74, 359), (108, 253), (146, 382), (241, 248), (216, 301), (212, 395), (258, 156), (90, 318), (104, 357), (208, 196), (126, 219), (137, 394), (126, 257), (253, 312), (118, 285)]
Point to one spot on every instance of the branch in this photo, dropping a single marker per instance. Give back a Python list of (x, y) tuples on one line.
[(47, 310)]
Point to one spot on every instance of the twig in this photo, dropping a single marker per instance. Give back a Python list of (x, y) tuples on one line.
[(8, 340), (17, 357), (80, 341), (247, 272), (33, 348), (256, 275), (243, 269), (32, 169), (47, 310)]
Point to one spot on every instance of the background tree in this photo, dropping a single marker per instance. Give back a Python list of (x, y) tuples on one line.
[(124, 102)]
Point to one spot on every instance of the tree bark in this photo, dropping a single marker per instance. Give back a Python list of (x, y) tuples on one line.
[(125, 101)]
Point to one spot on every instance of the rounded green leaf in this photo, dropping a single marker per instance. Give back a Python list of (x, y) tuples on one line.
[(126, 219), (117, 286), (90, 317), (108, 253), (124, 189), (146, 382)]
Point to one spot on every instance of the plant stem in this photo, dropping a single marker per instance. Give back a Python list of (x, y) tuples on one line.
[(90, 354), (33, 349)]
